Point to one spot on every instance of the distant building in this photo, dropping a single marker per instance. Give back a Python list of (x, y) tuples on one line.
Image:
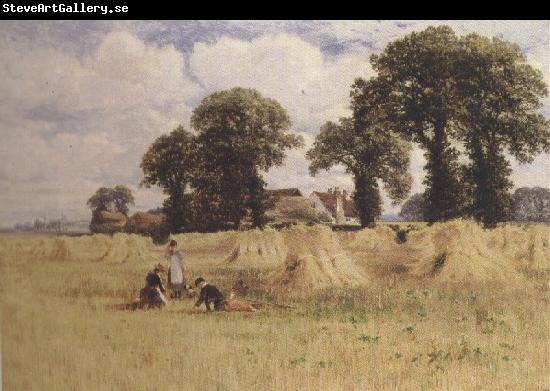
[(290, 192), (289, 206), (336, 203)]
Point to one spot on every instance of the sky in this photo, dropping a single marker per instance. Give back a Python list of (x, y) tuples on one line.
[(81, 101)]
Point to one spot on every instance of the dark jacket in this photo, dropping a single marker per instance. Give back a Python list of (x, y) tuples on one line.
[(153, 280), (210, 294)]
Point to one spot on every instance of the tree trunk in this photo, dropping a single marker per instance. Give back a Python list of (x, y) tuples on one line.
[(490, 171), (443, 192), (367, 199), (257, 199)]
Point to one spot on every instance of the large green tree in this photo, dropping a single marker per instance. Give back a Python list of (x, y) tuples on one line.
[(170, 163), (500, 95), (419, 76), (240, 133), (369, 150)]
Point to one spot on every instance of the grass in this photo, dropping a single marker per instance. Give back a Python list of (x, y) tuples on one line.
[(61, 331)]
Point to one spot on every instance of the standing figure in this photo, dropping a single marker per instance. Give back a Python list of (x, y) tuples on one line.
[(176, 278)]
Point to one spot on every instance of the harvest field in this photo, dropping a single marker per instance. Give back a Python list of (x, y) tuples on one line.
[(445, 307)]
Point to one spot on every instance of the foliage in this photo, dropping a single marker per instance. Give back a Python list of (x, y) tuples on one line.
[(531, 204), (110, 200), (500, 94), (418, 75), (239, 134), (169, 163), (414, 208), (445, 92), (122, 197), (115, 199), (369, 150)]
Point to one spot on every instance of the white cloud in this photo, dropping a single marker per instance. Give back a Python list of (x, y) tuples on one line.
[(310, 86), (73, 123)]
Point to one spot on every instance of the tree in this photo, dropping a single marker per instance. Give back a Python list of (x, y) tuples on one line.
[(110, 202), (239, 134), (122, 197), (170, 163), (414, 208), (419, 76), (102, 200), (500, 95), (107, 199), (368, 149), (531, 204), (39, 225)]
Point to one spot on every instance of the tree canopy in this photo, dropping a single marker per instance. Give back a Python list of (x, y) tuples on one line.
[(213, 177), (500, 95), (107, 199), (472, 95), (418, 75), (239, 134), (369, 150), (170, 163)]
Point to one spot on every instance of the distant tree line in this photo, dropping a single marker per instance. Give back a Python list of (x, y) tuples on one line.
[(528, 204), (42, 225)]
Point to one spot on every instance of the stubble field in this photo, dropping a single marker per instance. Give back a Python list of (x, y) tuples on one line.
[(452, 307)]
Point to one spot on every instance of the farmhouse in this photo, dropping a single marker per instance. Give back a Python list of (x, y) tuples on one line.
[(336, 203), (290, 206)]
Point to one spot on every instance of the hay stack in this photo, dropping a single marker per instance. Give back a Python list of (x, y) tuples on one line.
[(144, 222), (129, 248), (108, 222), (217, 243), (458, 251), (60, 250), (294, 209), (369, 244), (257, 248), (528, 245), (455, 251), (315, 260)]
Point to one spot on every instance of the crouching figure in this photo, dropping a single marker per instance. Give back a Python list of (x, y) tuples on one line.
[(209, 294), (152, 295)]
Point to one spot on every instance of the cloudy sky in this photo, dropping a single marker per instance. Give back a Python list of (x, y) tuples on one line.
[(80, 101)]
